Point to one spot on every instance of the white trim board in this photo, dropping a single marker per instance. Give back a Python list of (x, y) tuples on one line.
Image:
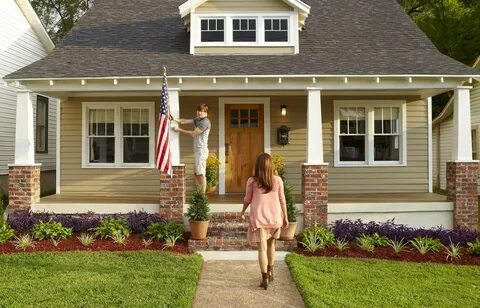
[(222, 101), (97, 208)]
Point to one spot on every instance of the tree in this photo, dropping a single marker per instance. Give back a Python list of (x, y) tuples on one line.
[(59, 16)]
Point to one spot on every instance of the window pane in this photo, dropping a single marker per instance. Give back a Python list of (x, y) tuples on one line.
[(244, 113), (244, 122), (244, 36), (276, 24), (244, 24), (387, 148), (276, 36), (254, 123), (378, 120), (136, 150), (204, 24), (212, 24), (253, 113), (252, 24), (352, 148), (212, 36), (236, 24), (220, 24), (234, 123), (102, 150), (234, 113), (284, 24), (268, 24)]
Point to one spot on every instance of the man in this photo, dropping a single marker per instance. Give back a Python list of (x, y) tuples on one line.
[(200, 142)]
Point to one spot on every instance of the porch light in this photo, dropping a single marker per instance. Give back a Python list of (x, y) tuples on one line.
[(284, 110)]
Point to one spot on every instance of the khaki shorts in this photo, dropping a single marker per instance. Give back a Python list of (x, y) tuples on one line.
[(200, 163)]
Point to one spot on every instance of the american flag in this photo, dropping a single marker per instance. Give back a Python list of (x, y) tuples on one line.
[(163, 155)]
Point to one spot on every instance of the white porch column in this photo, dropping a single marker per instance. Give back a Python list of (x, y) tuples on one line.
[(314, 127), (24, 133), (462, 135), (174, 102)]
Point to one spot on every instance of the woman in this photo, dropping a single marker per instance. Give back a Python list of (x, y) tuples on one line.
[(267, 215)]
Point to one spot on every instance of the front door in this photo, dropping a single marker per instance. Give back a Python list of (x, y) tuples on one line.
[(243, 142)]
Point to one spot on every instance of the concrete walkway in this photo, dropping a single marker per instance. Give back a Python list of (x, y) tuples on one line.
[(226, 283)]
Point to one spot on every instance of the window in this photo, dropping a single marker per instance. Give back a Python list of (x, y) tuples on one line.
[(212, 30), (276, 30), (118, 135), (244, 30), (41, 129), (244, 118), (474, 145), (370, 133)]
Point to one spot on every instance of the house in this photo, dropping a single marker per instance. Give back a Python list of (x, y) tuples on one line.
[(23, 40), (443, 133), (352, 80)]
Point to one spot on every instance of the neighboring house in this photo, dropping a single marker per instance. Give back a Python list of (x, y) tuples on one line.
[(350, 79), (23, 40), (443, 133)]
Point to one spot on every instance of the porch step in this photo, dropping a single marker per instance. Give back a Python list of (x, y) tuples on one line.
[(227, 232)]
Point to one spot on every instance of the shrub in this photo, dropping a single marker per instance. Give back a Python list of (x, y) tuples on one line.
[(51, 231), (316, 237), (474, 247), (211, 171), (3, 204), (86, 239), (6, 233), (24, 242), (78, 223), (147, 242), (198, 209), (171, 239), (425, 244), (290, 202), (366, 243), (398, 246), (112, 227), (341, 245), (453, 251), (139, 221), (160, 231), (119, 237), (352, 229)]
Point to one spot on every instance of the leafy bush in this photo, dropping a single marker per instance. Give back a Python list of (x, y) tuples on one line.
[(172, 239), (341, 245), (161, 231), (86, 239), (119, 237), (352, 229), (211, 171), (112, 227), (316, 237), (453, 251), (398, 246), (51, 231), (78, 223), (6, 233), (139, 221), (147, 242), (425, 244), (24, 242), (366, 243), (474, 247), (198, 209), (3, 204)]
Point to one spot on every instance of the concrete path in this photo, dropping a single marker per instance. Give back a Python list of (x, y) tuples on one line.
[(236, 284)]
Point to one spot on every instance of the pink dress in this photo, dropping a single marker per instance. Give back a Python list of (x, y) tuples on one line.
[(266, 210)]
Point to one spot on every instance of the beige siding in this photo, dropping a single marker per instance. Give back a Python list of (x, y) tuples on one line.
[(411, 178), (20, 47), (436, 156), (475, 100), (217, 6), (243, 50), (75, 179), (446, 141)]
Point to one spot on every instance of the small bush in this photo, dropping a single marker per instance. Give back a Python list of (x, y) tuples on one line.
[(24, 242), (51, 231), (398, 246), (112, 227), (315, 238), (147, 242), (474, 247), (426, 244), (453, 251), (171, 239), (6, 233), (366, 243), (341, 245), (86, 239), (160, 231), (198, 209), (119, 237), (139, 221)]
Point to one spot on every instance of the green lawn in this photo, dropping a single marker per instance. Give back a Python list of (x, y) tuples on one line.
[(341, 282), (82, 279)]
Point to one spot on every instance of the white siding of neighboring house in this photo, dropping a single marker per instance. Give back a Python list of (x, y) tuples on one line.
[(19, 46)]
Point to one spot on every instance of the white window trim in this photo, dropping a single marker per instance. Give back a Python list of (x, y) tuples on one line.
[(369, 106), (118, 134), (228, 17), (477, 129)]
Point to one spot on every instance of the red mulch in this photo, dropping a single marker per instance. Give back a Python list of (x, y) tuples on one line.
[(387, 253), (133, 243)]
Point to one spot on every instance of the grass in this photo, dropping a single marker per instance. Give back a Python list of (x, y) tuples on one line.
[(341, 282), (91, 279)]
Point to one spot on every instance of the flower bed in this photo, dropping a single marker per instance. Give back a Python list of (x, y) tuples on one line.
[(391, 241)]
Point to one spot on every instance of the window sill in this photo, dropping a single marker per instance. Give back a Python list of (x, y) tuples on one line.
[(341, 165), (142, 166)]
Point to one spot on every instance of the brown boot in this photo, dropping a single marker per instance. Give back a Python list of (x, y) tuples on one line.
[(270, 273), (264, 283)]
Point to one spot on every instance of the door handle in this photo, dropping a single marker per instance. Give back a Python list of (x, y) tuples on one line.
[(227, 152)]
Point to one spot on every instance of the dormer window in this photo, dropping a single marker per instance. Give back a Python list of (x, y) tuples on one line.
[(213, 30), (244, 30), (276, 30)]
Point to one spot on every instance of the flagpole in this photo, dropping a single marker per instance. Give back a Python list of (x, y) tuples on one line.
[(166, 82)]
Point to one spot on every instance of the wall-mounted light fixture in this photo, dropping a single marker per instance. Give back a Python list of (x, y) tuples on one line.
[(284, 110)]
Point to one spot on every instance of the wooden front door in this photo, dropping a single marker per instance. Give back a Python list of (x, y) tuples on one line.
[(243, 142)]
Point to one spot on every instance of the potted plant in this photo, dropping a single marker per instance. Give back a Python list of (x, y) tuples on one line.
[(198, 214), (212, 173), (289, 233)]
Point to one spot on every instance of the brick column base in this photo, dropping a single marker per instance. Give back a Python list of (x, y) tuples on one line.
[(315, 194), (462, 178), (172, 195), (23, 187)]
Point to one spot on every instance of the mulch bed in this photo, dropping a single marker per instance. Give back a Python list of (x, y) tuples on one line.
[(133, 243), (387, 253)]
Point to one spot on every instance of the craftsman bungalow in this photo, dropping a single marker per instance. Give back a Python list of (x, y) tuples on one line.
[(352, 80)]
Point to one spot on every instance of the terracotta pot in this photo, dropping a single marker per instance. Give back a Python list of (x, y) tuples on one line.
[(289, 233), (199, 230), (211, 190)]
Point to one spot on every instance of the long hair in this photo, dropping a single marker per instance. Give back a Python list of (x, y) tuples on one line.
[(264, 172)]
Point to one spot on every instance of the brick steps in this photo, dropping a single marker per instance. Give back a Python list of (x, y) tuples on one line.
[(228, 232)]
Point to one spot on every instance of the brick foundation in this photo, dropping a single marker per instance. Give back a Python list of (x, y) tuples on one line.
[(23, 187), (462, 191), (172, 194), (315, 194)]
